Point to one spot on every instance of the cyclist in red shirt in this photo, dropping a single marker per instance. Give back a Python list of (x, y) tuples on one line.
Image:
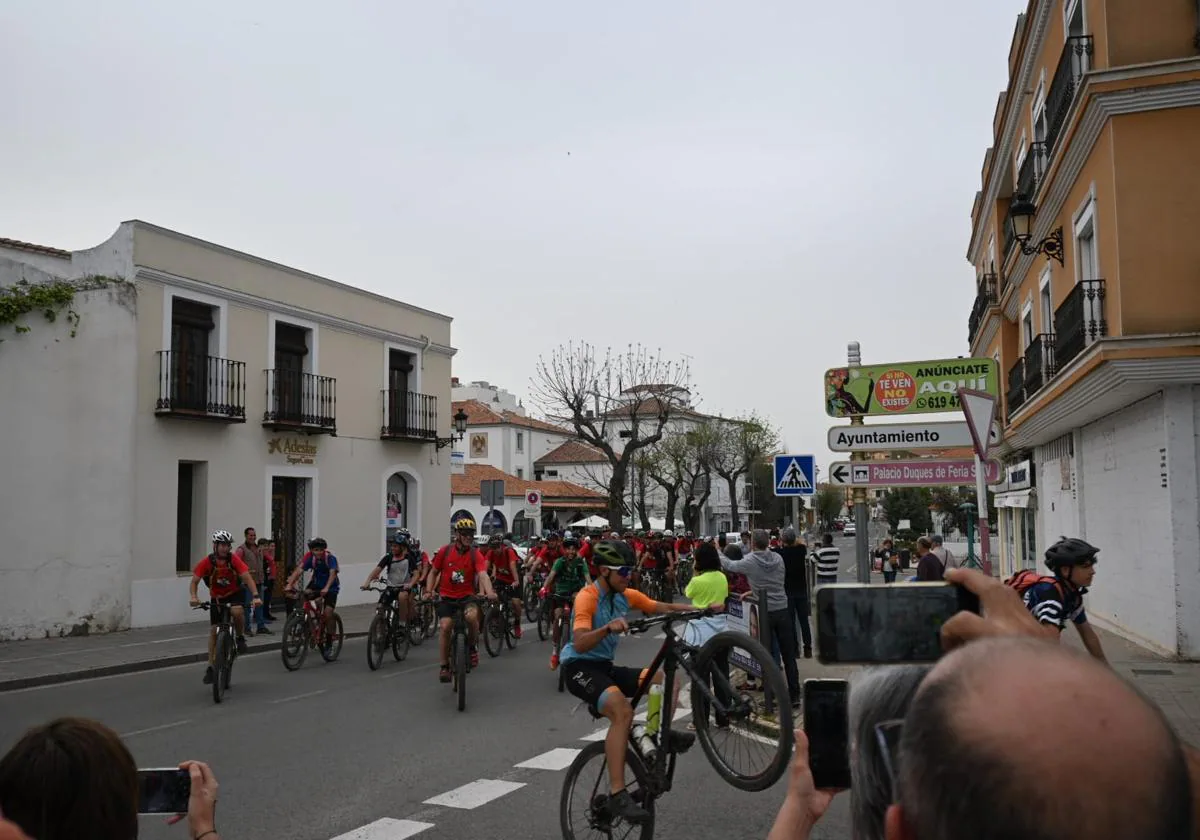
[(458, 568), (683, 545), (224, 575), (504, 567), (585, 552)]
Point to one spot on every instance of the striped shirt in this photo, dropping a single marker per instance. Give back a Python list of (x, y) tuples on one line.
[(828, 559)]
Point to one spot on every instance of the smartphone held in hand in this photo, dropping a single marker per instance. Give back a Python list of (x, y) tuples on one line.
[(827, 727), (164, 790), (886, 623)]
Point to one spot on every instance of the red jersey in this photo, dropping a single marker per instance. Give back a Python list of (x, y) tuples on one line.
[(501, 560), (546, 555), (223, 578), (585, 551), (458, 570), (683, 546)]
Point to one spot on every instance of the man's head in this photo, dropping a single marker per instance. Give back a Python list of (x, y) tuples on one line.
[(746, 537), (318, 547), (1073, 560), (788, 535), (464, 531), (936, 541), (887, 543), (400, 541), (570, 546), (924, 544), (827, 539), (760, 539), (614, 563), (251, 536), (222, 543), (1016, 737)]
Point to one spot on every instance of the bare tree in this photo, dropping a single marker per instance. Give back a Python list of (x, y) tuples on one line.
[(666, 464), (697, 472), (736, 445), (619, 403)]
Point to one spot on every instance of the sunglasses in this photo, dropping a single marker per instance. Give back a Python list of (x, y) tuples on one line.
[(623, 571)]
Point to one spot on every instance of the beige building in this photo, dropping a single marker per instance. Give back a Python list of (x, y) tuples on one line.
[(241, 393), (1087, 262)]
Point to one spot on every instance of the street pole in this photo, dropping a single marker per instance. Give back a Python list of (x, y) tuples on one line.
[(861, 538), (985, 552), (796, 513)]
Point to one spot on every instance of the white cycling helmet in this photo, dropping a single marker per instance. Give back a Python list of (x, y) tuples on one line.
[(222, 537), (668, 533)]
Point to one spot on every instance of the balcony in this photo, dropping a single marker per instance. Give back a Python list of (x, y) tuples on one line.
[(1039, 363), (408, 415), (984, 298), (1079, 320), (1015, 396), (1073, 65), (302, 402), (200, 387), (1033, 168)]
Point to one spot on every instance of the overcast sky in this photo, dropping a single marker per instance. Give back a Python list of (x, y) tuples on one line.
[(749, 184)]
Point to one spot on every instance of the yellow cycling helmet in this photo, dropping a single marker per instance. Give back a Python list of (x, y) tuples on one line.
[(464, 523)]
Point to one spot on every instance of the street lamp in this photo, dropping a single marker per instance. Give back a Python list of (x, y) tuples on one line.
[(1021, 212), (460, 429)]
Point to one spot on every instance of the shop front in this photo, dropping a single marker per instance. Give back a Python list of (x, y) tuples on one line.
[(1016, 507)]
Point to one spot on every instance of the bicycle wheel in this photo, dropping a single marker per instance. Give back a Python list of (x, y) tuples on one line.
[(222, 654), (377, 640), (583, 811), (493, 631), (743, 726), (545, 619), (228, 672), (295, 641), (511, 623), (531, 602), (400, 640), (333, 643), (416, 624), (462, 656)]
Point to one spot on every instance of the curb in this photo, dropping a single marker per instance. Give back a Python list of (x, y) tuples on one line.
[(135, 667)]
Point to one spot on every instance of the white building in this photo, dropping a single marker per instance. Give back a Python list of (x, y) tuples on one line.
[(505, 439), (562, 502), (205, 389)]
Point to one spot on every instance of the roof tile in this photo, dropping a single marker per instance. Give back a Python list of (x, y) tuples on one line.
[(18, 245), (573, 452), (467, 484), (479, 414)]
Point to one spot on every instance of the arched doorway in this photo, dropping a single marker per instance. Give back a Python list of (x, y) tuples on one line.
[(522, 526), (401, 502), (459, 514), (493, 523)]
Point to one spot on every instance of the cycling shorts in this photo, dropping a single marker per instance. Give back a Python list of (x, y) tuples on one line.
[(589, 679)]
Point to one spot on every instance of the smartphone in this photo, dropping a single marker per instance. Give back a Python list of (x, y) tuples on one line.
[(164, 790), (887, 622), (827, 727)]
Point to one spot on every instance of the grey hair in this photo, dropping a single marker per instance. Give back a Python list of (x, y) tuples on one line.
[(876, 695), (760, 539), (936, 539), (788, 535)]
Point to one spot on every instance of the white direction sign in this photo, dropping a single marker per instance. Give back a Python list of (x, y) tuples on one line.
[(905, 436), (918, 472)]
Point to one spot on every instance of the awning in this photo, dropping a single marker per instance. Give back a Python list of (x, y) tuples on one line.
[(1014, 499)]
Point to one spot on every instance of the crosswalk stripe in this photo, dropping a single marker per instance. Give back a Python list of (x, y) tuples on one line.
[(386, 829), (476, 793), (557, 759)]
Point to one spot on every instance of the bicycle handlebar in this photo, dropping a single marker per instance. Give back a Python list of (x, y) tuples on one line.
[(644, 624)]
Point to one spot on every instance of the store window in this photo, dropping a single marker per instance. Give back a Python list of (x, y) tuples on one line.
[(1030, 538)]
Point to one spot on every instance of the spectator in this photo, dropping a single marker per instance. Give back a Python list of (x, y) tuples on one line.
[(944, 555), (829, 558), (929, 567), (267, 590), (74, 778), (889, 561), (795, 570)]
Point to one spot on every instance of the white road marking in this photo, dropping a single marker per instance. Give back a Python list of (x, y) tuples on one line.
[(154, 728), (300, 696), (471, 796), (598, 735), (682, 714), (409, 670), (557, 759), (386, 829)]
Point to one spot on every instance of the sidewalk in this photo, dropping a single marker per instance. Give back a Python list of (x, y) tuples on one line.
[(48, 661)]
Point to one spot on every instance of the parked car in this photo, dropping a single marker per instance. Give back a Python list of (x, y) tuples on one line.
[(848, 530)]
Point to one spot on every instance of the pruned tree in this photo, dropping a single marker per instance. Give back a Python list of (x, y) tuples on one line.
[(620, 403), (667, 464), (735, 446), (697, 473)]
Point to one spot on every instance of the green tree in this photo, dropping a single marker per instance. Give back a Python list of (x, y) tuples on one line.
[(911, 503), (736, 445), (827, 503)]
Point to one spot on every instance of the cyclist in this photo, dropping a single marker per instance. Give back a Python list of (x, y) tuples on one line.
[(684, 545), (224, 575), (324, 584), (568, 576), (504, 566), (592, 676), (1055, 601), (652, 558), (585, 551), (456, 571), (399, 565)]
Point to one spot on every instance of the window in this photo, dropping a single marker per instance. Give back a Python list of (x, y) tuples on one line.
[(552, 473), (1074, 20), (1022, 151), (400, 412), (1038, 112), (1087, 260), (193, 343), (191, 496), (1027, 327), (520, 441), (520, 472), (1046, 302)]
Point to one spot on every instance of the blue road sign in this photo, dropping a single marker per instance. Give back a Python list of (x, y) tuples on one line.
[(795, 475)]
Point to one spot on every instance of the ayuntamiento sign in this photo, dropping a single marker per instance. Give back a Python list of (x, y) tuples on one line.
[(907, 387)]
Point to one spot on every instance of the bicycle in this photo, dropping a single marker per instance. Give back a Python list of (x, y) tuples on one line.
[(498, 625), (225, 650), (735, 715), (304, 629), (654, 582), (460, 650), (387, 628), (533, 604), (683, 572), (562, 625), (422, 618)]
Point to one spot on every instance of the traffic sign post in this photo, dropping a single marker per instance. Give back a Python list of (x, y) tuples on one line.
[(917, 472), (980, 410), (795, 475), (533, 506), (905, 437)]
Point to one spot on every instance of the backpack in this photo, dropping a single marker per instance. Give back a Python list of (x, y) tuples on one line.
[(1027, 578)]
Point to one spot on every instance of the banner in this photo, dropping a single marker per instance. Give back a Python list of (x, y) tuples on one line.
[(907, 387), (742, 616)]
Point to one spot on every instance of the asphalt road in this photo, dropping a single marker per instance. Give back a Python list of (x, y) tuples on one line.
[(334, 748)]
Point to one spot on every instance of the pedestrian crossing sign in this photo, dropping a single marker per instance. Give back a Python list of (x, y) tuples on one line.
[(794, 475)]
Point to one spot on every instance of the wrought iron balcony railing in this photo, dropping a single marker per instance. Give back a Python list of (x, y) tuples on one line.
[(1073, 64), (303, 401), (408, 415), (201, 387), (1079, 320)]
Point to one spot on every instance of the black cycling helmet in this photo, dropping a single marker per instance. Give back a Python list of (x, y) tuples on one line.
[(496, 539), (613, 553), (553, 535), (570, 541), (401, 537), (1069, 551), (317, 542)]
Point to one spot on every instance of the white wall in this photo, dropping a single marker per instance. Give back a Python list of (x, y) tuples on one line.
[(57, 266), (1183, 459), (1057, 505), (66, 501)]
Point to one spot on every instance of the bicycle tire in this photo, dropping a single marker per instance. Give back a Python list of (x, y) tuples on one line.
[(640, 793), (416, 625), (531, 602), (228, 674), (295, 630), (222, 653), (461, 658), (544, 621), (772, 678), (492, 631), (400, 640), (510, 624), (331, 652), (377, 640)]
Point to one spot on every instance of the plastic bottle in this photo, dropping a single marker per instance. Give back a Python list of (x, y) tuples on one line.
[(643, 740), (654, 709)]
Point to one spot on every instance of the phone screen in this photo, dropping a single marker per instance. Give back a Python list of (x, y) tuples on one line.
[(827, 727), (882, 623), (164, 790)]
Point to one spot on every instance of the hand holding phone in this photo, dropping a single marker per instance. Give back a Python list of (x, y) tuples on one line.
[(827, 727), (164, 790)]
